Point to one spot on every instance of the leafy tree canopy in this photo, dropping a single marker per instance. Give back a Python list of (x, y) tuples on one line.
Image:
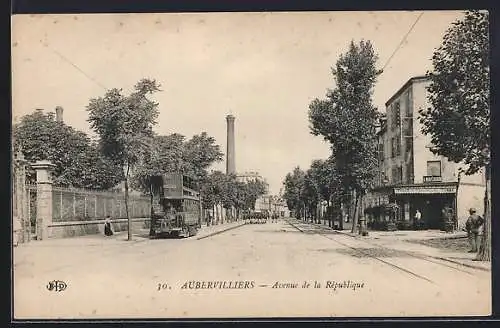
[(222, 189), (77, 159), (125, 123), (347, 118), (199, 153), (458, 118), (173, 153), (293, 187)]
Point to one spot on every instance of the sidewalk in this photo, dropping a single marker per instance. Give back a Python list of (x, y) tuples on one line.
[(402, 240), (120, 237)]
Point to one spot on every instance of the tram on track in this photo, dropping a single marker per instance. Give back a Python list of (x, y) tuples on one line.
[(175, 206)]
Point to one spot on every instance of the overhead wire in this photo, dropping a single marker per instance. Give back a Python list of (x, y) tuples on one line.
[(405, 37), (75, 66)]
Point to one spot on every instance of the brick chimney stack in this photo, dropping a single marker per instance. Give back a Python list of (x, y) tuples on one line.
[(59, 114), (230, 152)]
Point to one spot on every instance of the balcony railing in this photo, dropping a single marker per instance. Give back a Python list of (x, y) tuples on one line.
[(431, 178)]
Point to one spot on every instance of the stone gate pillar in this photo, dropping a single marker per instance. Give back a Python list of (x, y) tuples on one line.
[(43, 198), (21, 205)]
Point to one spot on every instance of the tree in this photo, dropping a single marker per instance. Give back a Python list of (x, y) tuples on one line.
[(77, 159), (165, 155), (347, 119), (458, 119), (125, 127), (253, 190), (310, 195), (293, 188), (235, 194), (213, 189), (172, 153), (199, 153), (328, 182), (240, 197)]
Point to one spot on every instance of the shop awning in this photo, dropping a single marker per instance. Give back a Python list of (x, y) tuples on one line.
[(424, 190)]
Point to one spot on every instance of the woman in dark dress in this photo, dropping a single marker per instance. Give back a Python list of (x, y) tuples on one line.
[(107, 227)]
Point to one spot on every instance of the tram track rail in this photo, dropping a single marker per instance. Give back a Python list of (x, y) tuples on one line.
[(221, 231), (396, 266)]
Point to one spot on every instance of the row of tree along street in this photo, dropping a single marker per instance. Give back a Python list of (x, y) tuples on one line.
[(458, 122), (127, 150)]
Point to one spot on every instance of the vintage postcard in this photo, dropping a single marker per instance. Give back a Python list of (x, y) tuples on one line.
[(251, 165)]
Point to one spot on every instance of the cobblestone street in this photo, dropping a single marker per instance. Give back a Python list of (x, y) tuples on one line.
[(111, 278)]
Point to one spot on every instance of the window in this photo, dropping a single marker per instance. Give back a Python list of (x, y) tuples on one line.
[(408, 144), (407, 126), (396, 115), (409, 172), (434, 168), (381, 152), (408, 103), (395, 147), (398, 145), (397, 174)]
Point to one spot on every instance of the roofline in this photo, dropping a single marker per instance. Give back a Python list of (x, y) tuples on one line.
[(406, 85)]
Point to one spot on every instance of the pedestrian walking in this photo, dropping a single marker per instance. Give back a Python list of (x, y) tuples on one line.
[(107, 226), (417, 219), (209, 219), (472, 225)]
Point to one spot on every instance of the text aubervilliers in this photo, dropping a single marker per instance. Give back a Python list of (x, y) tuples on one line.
[(248, 284)]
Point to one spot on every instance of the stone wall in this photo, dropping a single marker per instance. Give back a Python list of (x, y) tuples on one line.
[(82, 228)]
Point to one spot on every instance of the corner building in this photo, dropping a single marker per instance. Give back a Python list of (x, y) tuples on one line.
[(411, 176)]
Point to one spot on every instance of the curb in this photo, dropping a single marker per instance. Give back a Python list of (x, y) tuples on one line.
[(460, 263), (295, 226), (221, 231)]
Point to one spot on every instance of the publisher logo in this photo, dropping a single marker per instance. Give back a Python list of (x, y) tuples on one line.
[(56, 285)]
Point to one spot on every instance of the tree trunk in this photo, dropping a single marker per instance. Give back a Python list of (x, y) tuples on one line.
[(216, 214), (129, 232), (354, 228), (200, 208), (484, 253), (342, 215), (326, 214)]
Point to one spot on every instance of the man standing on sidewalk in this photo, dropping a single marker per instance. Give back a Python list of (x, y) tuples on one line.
[(474, 222), (417, 219)]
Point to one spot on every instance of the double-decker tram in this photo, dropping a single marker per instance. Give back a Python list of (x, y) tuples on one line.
[(175, 206)]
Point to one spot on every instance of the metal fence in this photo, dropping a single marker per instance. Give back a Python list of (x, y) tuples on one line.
[(82, 205), (31, 206)]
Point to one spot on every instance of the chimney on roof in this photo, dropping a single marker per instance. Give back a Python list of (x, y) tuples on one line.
[(59, 114)]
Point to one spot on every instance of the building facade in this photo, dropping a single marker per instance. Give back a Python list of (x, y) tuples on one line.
[(411, 177), (249, 176), (272, 204)]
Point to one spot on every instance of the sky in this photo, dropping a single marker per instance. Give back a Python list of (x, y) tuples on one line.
[(263, 68)]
